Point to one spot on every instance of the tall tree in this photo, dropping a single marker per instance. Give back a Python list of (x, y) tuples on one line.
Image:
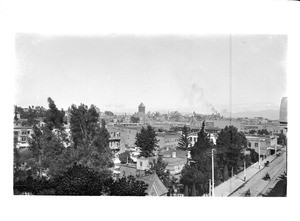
[(90, 140), (230, 144), (54, 117), (194, 190), (147, 141), (47, 152), (159, 167), (199, 170), (184, 143), (282, 140), (186, 190)]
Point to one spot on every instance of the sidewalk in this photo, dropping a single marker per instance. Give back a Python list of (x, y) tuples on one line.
[(229, 186)]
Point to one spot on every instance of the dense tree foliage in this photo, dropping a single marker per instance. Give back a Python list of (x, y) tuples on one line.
[(54, 117), (30, 114), (159, 166), (184, 142), (50, 153), (263, 132), (125, 157), (198, 172), (90, 140), (282, 140), (126, 186), (229, 150), (81, 180), (134, 119), (147, 141)]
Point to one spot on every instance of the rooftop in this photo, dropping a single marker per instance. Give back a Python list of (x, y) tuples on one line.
[(154, 182), (142, 105)]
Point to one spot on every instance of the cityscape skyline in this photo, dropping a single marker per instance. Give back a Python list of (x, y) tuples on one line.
[(190, 73)]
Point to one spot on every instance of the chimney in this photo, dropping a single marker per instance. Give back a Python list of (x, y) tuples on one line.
[(174, 154)]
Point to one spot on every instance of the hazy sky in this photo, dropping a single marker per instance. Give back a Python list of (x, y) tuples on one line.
[(184, 73)]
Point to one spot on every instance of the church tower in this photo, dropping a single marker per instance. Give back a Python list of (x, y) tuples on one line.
[(142, 109)]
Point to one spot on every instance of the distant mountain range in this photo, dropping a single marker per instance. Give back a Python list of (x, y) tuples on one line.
[(270, 114)]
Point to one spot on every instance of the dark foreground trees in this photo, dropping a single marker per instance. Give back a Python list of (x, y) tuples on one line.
[(80, 180), (229, 156), (78, 164), (126, 186), (196, 175)]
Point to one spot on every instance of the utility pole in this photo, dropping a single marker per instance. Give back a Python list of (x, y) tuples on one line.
[(212, 173), (258, 153), (275, 144), (245, 169), (209, 187)]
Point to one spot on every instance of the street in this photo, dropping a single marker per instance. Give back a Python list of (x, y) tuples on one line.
[(259, 186)]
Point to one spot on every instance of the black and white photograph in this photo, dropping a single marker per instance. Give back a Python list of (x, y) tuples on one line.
[(151, 115), (161, 110)]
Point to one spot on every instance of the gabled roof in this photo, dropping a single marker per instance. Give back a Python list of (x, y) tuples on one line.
[(155, 184)]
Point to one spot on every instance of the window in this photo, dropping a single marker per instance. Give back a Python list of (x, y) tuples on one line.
[(28, 132), (141, 163), (16, 133), (23, 139), (256, 144), (249, 144)]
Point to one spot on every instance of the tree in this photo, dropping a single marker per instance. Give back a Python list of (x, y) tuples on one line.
[(230, 144), (282, 140), (159, 167), (263, 132), (109, 113), (54, 117), (202, 146), (147, 141), (186, 190), (252, 131), (90, 145), (184, 142), (125, 157), (225, 173), (126, 186), (194, 190), (48, 153), (134, 119), (199, 170), (253, 156), (81, 180)]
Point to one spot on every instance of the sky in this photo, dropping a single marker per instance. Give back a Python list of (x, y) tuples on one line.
[(166, 72)]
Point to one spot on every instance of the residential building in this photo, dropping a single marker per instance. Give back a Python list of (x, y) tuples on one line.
[(155, 185), (168, 140), (23, 134), (194, 136), (265, 145)]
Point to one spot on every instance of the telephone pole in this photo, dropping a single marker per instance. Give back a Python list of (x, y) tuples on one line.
[(212, 174), (258, 153)]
